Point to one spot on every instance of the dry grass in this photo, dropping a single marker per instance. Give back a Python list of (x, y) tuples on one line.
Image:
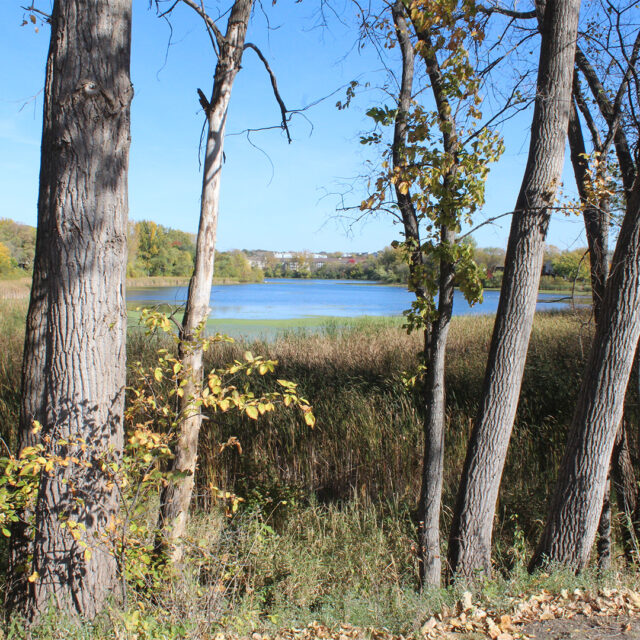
[(15, 289)]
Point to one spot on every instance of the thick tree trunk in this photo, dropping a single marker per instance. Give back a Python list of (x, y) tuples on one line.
[(176, 498), (32, 397), (74, 363), (596, 220), (576, 505), (470, 538)]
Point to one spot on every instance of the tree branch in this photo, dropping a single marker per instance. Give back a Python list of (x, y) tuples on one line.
[(208, 20), (32, 8), (482, 224), (510, 13), (274, 85)]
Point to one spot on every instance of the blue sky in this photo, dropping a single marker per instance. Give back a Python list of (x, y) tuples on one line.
[(277, 196)]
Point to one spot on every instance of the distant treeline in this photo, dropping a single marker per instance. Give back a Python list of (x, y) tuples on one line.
[(17, 248), (153, 250), (156, 250)]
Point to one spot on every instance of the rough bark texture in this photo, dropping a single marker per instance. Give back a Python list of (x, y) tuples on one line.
[(470, 538), (626, 488), (596, 215), (32, 396), (176, 498), (74, 364), (596, 222), (575, 509)]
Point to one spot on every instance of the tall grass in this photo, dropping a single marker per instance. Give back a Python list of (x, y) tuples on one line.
[(368, 436), (326, 530)]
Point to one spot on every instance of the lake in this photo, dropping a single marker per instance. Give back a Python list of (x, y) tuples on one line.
[(282, 299)]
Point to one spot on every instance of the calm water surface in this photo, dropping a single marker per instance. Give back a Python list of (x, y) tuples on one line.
[(288, 298)]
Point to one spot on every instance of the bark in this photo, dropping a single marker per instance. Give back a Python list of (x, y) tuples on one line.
[(575, 508), (611, 113), (434, 400), (32, 396), (74, 362), (471, 531), (626, 487), (400, 133), (596, 215), (596, 220), (433, 392), (176, 498)]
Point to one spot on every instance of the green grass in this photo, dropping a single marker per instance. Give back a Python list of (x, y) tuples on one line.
[(270, 328)]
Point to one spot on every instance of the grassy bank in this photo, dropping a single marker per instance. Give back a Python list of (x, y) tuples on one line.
[(19, 287), (326, 528), (173, 281)]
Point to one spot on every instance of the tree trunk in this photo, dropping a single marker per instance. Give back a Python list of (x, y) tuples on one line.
[(176, 498), (626, 488), (596, 220), (433, 393), (74, 362), (32, 396), (608, 112), (576, 505), (434, 400), (596, 223), (471, 531)]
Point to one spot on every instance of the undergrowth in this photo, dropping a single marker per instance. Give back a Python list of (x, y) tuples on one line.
[(326, 528)]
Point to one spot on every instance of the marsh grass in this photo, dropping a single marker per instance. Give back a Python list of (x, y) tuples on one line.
[(15, 288), (326, 530)]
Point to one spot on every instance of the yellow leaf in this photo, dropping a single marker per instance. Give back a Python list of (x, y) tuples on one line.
[(33, 577), (87, 555), (252, 412), (157, 374), (310, 419)]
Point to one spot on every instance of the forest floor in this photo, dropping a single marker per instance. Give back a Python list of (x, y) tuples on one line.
[(602, 615), (584, 627)]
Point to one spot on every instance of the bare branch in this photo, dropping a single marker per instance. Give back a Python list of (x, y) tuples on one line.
[(483, 224), (169, 10), (33, 9), (510, 13), (586, 113), (208, 20), (274, 84)]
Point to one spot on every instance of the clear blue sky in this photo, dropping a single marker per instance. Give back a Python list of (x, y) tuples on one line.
[(276, 197)]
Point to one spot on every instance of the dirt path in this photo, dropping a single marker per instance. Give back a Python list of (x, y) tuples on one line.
[(584, 628)]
